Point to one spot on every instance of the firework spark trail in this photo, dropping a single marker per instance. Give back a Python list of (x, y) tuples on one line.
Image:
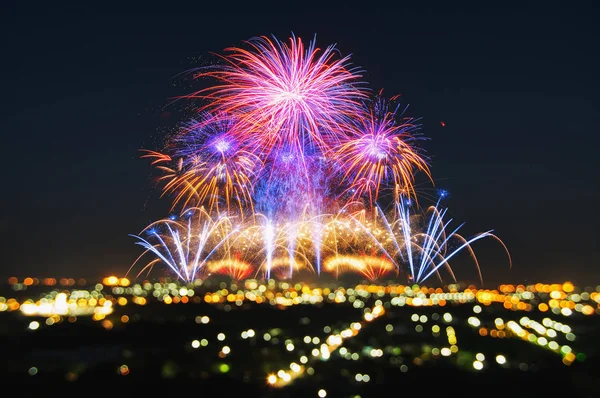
[(269, 236), (376, 241), (432, 253), (172, 264), (391, 232), (435, 231), (456, 251), (209, 230), (292, 236), (317, 233)]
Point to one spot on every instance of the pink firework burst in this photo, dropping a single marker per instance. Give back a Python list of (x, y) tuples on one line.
[(286, 94), (380, 154)]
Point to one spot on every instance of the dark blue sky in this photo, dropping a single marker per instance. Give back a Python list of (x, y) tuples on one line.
[(85, 88)]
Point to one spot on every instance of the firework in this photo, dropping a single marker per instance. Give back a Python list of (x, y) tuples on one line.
[(209, 165), (401, 242), (284, 192), (286, 267), (235, 269), (285, 94), (372, 268), (380, 153), (284, 168), (426, 247), (185, 245)]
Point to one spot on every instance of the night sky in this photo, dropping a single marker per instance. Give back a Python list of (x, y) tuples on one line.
[(84, 89)]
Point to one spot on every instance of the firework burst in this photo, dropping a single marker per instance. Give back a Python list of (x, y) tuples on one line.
[(209, 166), (380, 153), (286, 94)]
